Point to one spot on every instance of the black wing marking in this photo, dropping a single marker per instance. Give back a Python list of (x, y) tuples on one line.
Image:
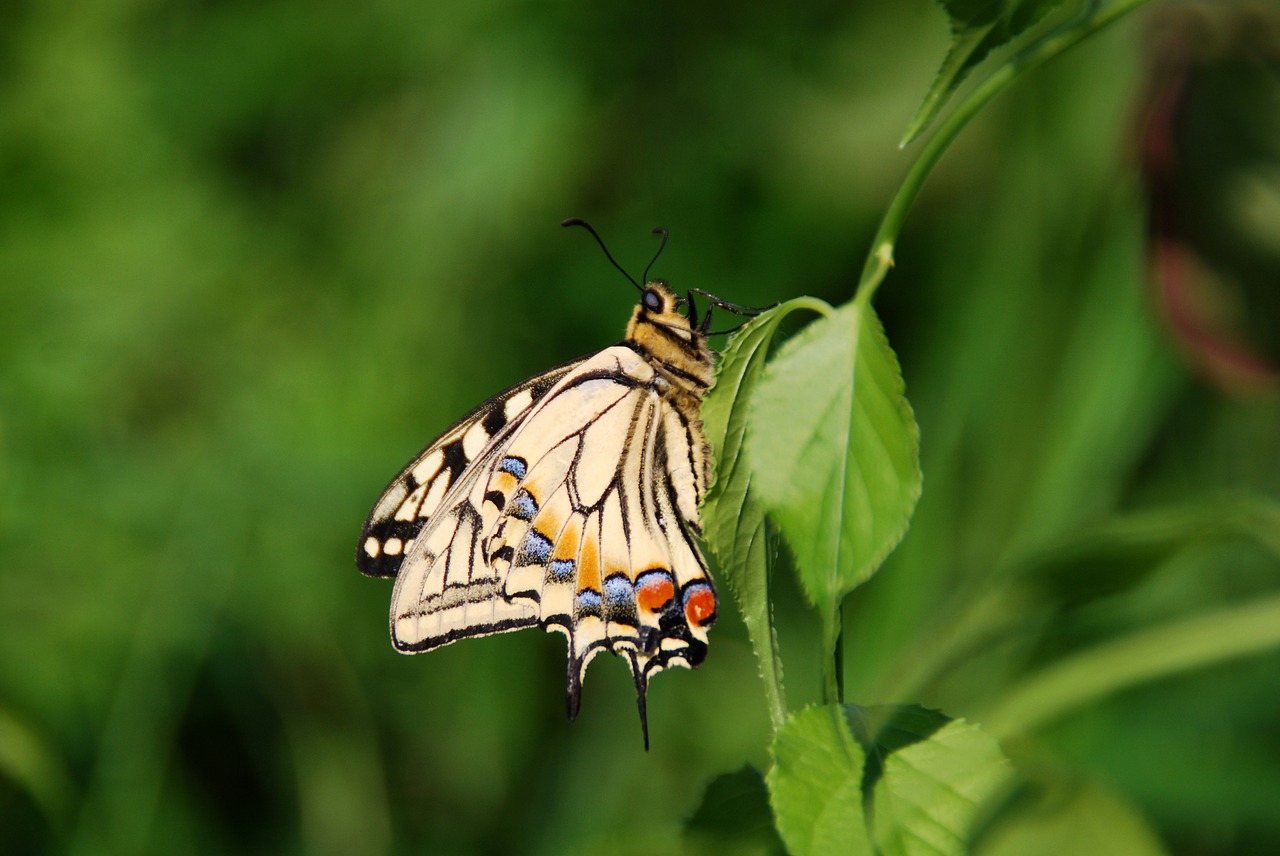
[(408, 502)]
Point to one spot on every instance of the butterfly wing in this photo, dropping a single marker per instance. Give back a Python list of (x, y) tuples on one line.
[(412, 497), (579, 519)]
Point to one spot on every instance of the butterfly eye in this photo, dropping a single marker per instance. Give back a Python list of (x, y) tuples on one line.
[(652, 300)]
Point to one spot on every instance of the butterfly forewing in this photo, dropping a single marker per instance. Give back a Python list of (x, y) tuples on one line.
[(407, 504)]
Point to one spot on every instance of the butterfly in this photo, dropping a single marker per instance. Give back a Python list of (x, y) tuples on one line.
[(568, 502)]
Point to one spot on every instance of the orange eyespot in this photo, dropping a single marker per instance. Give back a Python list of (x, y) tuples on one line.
[(700, 605), (654, 590)]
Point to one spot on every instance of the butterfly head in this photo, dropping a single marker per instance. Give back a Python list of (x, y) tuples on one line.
[(659, 305), (669, 332)]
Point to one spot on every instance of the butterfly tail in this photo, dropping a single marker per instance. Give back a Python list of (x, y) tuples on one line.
[(573, 693), (642, 689)]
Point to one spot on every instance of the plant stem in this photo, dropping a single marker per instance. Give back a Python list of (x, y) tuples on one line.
[(839, 652), (832, 631), (880, 257)]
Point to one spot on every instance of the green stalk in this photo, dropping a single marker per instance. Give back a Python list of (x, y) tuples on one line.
[(832, 658), (880, 257), (1147, 655)]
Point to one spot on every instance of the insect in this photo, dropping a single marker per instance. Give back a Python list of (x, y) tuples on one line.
[(568, 502)]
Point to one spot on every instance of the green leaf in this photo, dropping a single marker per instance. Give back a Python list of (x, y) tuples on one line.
[(734, 817), (1068, 819), (1145, 655), (977, 28), (815, 784), (30, 762), (936, 777), (733, 522), (834, 451), (924, 780), (1116, 553)]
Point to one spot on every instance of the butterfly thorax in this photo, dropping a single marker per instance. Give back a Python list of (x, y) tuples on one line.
[(679, 352), (684, 366)]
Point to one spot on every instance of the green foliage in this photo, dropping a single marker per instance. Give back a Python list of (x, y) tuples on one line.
[(888, 780), (977, 28), (815, 784), (937, 778), (1064, 817), (1178, 646), (26, 759), (733, 520), (734, 817), (835, 451)]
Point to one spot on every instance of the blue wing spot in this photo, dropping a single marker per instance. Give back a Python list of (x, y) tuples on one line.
[(586, 603), (535, 549), (523, 505), (618, 590), (619, 599), (561, 571), (516, 466)]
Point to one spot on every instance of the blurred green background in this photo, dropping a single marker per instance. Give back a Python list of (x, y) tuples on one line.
[(254, 255)]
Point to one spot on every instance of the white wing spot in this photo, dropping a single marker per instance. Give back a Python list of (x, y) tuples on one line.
[(429, 466), (409, 509), (392, 547), (475, 441), (517, 404), (371, 547), (432, 501)]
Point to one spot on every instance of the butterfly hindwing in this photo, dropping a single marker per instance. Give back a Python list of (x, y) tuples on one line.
[(407, 504)]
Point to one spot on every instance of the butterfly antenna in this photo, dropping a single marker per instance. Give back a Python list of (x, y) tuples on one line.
[(577, 221), (658, 231)]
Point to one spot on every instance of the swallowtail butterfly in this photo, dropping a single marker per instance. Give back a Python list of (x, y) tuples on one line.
[(568, 502)]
